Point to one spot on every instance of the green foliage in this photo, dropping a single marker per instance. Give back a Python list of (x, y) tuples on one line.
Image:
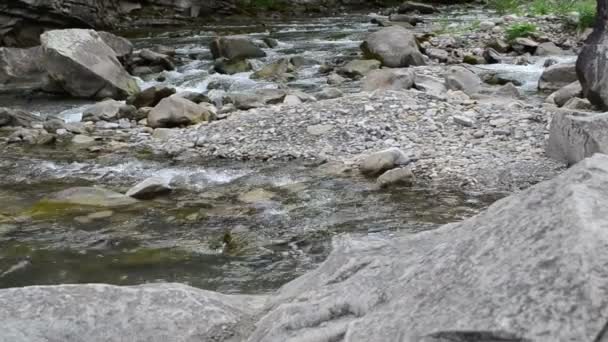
[(585, 8), (520, 30), (541, 7), (587, 14), (505, 6)]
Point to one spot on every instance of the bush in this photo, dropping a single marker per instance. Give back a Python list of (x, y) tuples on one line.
[(587, 14), (520, 30)]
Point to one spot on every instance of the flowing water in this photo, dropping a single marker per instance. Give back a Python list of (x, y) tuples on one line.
[(227, 226)]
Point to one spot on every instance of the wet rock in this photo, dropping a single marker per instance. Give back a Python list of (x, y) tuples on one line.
[(228, 67), (412, 20), (28, 135), (100, 312), (150, 188), (150, 97), (389, 79), (400, 176), (549, 62), (508, 90), (276, 70), (493, 269), (379, 162), (548, 49), (235, 48), (194, 96), (394, 47), (22, 67), (90, 196), (359, 68), (524, 45), (411, 6), (121, 46), (566, 93), (575, 136), (460, 78), (82, 139), (105, 110), (155, 59), (438, 54), (328, 94), (270, 42), (492, 56), (175, 111), (557, 76), (53, 124), (499, 45), (256, 196), (85, 66), (486, 25), (473, 60), (17, 118)]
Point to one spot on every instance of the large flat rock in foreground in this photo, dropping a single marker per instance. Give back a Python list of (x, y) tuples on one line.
[(81, 63), (147, 313), (533, 267)]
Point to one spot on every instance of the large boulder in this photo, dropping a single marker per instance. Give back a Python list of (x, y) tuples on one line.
[(557, 76), (592, 63), (17, 118), (21, 67), (359, 67), (394, 47), (98, 312), (461, 78), (532, 267), (389, 79), (121, 46), (175, 111), (235, 48), (150, 97), (566, 93), (85, 66), (575, 135)]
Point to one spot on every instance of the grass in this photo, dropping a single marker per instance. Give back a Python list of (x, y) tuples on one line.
[(585, 8), (520, 30)]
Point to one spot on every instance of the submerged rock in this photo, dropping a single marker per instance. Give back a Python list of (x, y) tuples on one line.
[(235, 48), (90, 196), (394, 47), (153, 313), (81, 63), (509, 274), (228, 67), (150, 188), (379, 162)]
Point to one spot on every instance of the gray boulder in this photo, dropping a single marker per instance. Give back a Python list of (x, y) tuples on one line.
[(430, 85), (328, 93), (529, 268), (22, 67), (90, 196), (175, 111), (98, 312), (592, 62), (150, 188), (235, 48), (84, 66), (277, 70), (121, 46), (557, 76), (578, 104), (461, 78), (17, 118), (389, 79), (377, 163), (107, 110), (394, 47), (548, 49), (574, 135), (359, 68), (231, 67), (564, 94), (400, 176)]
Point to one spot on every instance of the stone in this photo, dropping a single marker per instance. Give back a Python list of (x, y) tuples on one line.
[(256, 196), (84, 66), (235, 48), (122, 47), (150, 188), (464, 120), (557, 76), (508, 273), (359, 68), (276, 70), (578, 104), (574, 136), (438, 54), (150, 97), (229, 67), (81, 139), (411, 6), (335, 79), (461, 78), (17, 118), (499, 45), (151, 312), (430, 85), (328, 94), (412, 20), (486, 25), (175, 111), (508, 90), (193, 96), (389, 79), (492, 56), (52, 125), (319, 129), (524, 45), (104, 110), (563, 95), (270, 42), (394, 47), (399, 176), (592, 62), (292, 100), (548, 49), (90, 196), (473, 60), (379, 162), (22, 67)]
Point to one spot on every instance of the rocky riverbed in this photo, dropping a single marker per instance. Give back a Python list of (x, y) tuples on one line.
[(315, 157)]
